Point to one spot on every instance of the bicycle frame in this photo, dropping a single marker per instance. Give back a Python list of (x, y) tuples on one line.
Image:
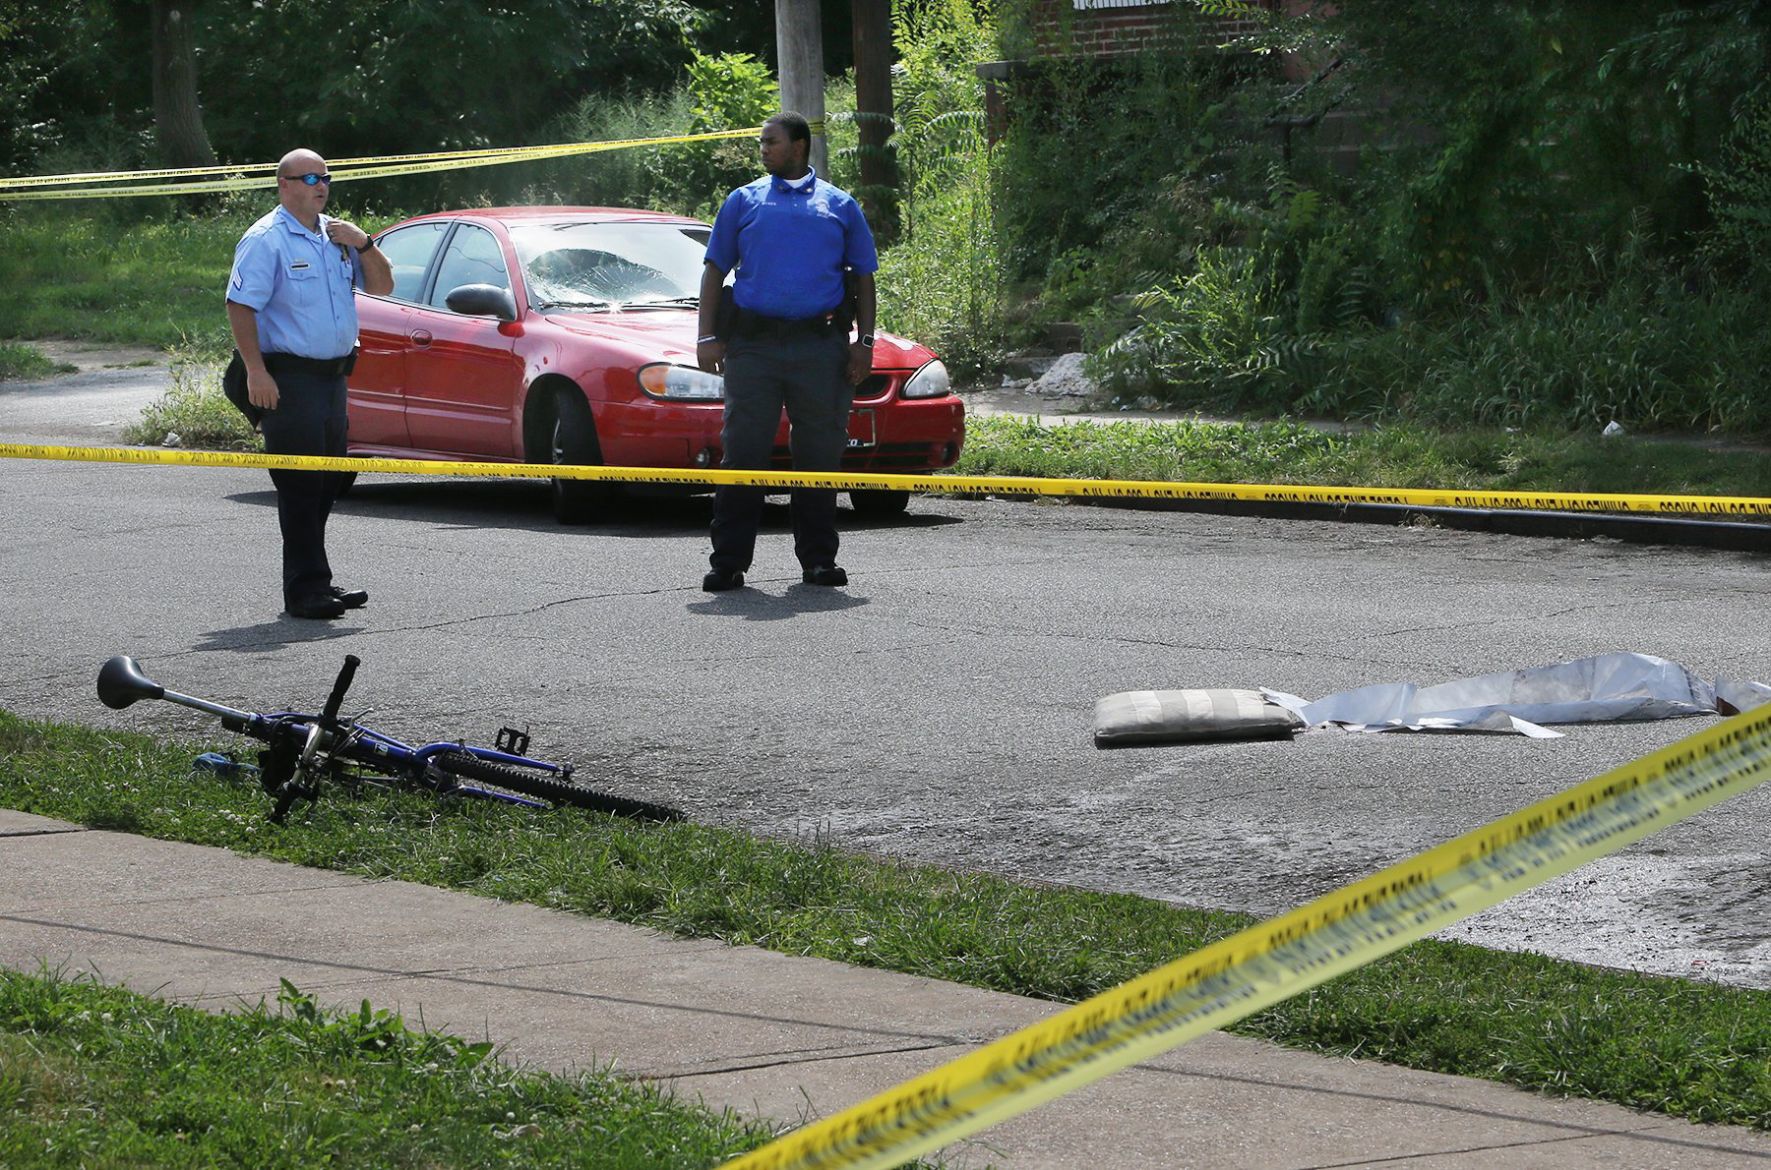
[(323, 743), (350, 742)]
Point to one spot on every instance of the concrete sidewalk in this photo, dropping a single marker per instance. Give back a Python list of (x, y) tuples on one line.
[(787, 1038)]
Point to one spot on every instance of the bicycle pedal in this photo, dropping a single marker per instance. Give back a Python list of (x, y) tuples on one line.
[(511, 741)]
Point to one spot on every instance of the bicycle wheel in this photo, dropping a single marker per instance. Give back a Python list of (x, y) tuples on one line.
[(550, 788)]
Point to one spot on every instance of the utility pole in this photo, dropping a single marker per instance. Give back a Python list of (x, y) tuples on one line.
[(799, 47)]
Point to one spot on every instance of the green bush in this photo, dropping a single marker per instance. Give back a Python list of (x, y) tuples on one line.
[(194, 413), (645, 176), (729, 91), (1646, 350), (1093, 140), (1739, 190), (1527, 248), (943, 282)]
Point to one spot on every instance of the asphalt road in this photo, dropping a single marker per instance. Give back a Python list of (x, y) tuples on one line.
[(939, 708)]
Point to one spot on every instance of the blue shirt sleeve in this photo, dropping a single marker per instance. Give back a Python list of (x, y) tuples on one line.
[(858, 250), (722, 244), (255, 272)]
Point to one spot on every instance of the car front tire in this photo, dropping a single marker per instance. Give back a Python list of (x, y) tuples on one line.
[(577, 501), (879, 503)]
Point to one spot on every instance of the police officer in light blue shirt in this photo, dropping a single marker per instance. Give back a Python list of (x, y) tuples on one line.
[(798, 245), (293, 314)]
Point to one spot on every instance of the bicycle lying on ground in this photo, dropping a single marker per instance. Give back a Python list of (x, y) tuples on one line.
[(303, 751)]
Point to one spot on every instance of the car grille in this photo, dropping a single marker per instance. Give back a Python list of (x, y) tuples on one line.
[(885, 457), (890, 456)]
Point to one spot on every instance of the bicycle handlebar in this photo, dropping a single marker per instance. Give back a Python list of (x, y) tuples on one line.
[(329, 716)]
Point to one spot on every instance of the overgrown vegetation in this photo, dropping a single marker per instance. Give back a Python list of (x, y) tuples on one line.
[(1685, 1048), (194, 412), (1556, 220), (944, 283), (1554, 217)]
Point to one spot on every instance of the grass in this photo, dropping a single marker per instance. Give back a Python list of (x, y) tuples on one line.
[(112, 277), (97, 1076), (1295, 453), (23, 362), (1693, 1050)]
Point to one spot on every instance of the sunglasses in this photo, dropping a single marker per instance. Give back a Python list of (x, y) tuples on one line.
[(311, 178)]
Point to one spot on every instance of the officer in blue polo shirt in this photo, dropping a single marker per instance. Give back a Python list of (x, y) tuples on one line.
[(798, 244), (294, 320)]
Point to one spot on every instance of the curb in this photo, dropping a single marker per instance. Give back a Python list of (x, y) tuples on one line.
[(1733, 536)]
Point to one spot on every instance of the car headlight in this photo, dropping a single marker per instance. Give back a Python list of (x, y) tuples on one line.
[(929, 382), (663, 380)]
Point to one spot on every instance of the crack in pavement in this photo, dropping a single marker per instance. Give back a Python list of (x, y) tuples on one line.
[(1122, 640), (1509, 618), (465, 977), (326, 633)]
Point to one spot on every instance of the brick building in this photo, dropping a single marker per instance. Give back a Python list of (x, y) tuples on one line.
[(1105, 30)]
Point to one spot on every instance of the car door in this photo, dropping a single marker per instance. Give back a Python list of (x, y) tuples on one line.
[(462, 373), (378, 383)]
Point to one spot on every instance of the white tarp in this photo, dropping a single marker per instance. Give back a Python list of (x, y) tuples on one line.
[(1604, 688)]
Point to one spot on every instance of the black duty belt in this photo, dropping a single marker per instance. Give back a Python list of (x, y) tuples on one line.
[(322, 366), (755, 325)]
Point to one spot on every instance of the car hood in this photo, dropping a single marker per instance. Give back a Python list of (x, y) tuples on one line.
[(670, 333)]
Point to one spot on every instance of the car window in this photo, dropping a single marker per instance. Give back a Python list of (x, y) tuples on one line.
[(409, 250), (472, 257), (599, 264)]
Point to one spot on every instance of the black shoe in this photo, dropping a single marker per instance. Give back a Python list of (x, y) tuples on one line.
[(350, 598), (831, 575), (318, 607), (718, 581)]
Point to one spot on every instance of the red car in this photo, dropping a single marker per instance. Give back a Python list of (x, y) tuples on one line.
[(567, 335)]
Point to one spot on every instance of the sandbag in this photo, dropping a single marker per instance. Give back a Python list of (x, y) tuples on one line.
[(1220, 713)]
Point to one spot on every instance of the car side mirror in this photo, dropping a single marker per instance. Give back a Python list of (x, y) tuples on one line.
[(482, 300)]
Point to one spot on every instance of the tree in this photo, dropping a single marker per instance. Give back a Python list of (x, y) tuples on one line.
[(873, 114), (178, 116)]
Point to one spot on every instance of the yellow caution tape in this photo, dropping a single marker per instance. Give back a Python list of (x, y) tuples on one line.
[(999, 485), (343, 170), (1252, 970)]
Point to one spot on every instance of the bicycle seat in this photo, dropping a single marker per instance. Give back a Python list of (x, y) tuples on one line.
[(121, 683)]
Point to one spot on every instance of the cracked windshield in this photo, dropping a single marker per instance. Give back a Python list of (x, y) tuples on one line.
[(612, 265)]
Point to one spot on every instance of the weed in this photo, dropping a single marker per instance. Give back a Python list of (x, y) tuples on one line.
[(194, 412), (24, 363)]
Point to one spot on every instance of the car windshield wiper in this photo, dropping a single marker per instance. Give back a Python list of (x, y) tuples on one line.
[(664, 303), (592, 303)]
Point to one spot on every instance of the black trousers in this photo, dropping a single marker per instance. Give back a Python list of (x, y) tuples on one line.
[(309, 420), (807, 375)]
